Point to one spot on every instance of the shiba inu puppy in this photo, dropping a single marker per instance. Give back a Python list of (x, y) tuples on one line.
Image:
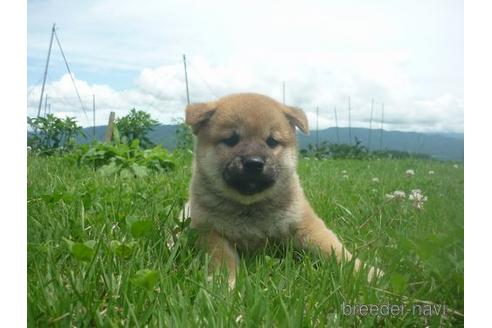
[(245, 190)]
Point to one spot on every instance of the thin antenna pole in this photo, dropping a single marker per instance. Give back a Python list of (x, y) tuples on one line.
[(336, 124), (317, 128), (382, 122), (45, 104), (370, 124), (283, 92), (93, 117), (186, 80), (46, 70), (350, 122)]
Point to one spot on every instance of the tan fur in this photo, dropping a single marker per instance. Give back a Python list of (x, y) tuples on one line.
[(228, 220)]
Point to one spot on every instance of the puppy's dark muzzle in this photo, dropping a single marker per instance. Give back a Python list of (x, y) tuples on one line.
[(248, 174)]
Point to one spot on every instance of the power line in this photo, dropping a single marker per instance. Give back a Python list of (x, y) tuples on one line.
[(45, 104), (370, 124), (71, 75), (382, 122), (336, 124), (93, 117), (317, 128), (350, 123), (186, 80)]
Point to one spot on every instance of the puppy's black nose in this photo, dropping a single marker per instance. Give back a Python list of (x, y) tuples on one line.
[(253, 164)]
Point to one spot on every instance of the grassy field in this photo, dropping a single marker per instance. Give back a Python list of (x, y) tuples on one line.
[(111, 251)]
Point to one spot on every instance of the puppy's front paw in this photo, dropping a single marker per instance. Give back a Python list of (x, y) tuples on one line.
[(374, 273), (231, 280)]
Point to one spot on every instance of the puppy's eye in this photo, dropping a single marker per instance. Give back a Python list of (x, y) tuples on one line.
[(271, 142), (232, 140)]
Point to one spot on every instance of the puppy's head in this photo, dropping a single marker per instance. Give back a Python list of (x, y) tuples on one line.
[(246, 144)]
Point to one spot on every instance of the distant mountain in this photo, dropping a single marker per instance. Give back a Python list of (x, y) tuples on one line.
[(436, 145), (455, 135), (445, 146)]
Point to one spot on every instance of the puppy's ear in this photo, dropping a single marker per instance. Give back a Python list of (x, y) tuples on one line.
[(297, 117), (198, 114)]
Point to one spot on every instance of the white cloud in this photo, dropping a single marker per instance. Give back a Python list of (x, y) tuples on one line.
[(407, 56), (161, 91)]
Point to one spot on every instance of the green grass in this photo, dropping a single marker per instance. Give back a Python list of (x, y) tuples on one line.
[(127, 225)]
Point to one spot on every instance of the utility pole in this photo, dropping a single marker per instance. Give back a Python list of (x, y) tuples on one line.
[(336, 124), (317, 128), (382, 122), (350, 123), (370, 125), (46, 70), (186, 80), (93, 117), (45, 104), (283, 92)]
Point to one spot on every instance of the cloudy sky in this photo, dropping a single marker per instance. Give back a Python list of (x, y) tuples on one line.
[(407, 55)]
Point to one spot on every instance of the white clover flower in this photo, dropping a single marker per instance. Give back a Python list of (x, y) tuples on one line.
[(417, 198), (415, 192), (344, 172), (455, 166), (410, 173), (345, 176), (375, 180), (431, 172), (397, 194)]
